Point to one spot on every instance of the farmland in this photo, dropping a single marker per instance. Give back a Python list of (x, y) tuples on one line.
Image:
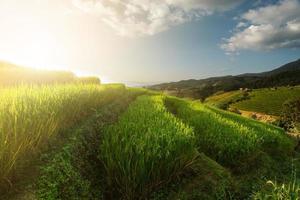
[(224, 99), (92, 141), (141, 151), (31, 115), (149, 100), (267, 100)]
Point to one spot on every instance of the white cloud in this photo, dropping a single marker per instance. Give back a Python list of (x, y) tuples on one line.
[(267, 28), (148, 17)]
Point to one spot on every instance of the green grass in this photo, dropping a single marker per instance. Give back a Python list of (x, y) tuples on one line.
[(280, 191), (74, 171), (227, 137), (146, 149), (224, 99), (31, 115), (143, 152), (268, 101)]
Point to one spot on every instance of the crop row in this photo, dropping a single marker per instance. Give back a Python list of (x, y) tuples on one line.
[(227, 137), (147, 148), (30, 115)]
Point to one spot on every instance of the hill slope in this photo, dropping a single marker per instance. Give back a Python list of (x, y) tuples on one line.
[(11, 74), (267, 101), (288, 74)]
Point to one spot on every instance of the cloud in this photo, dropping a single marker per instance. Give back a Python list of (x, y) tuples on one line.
[(267, 28), (148, 17)]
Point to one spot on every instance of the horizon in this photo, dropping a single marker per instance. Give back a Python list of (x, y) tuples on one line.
[(150, 41)]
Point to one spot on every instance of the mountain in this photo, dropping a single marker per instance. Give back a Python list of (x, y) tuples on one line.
[(288, 74)]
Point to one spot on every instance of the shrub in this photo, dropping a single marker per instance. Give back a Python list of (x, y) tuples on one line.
[(290, 116)]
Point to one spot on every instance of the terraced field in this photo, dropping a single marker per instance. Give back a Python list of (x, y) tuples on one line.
[(268, 101), (111, 142), (224, 99)]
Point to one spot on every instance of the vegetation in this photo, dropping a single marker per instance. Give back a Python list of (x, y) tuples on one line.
[(201, 89), (13, 75), (284, 191), (147, 148), (89, 80), (227, 137), (290, 117), (224, 99), (31, 115), (269, 101), (95, 141), (74, 171), (291, 191)]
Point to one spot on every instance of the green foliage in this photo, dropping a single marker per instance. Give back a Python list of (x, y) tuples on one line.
[(12, 75), (228, 137), (207, 180), (268, 100), (88, 80), (276, 191), (31, 115), (224, 99), (290, 117), (75, 171), (201, 89), (147, 148), (61, 180)]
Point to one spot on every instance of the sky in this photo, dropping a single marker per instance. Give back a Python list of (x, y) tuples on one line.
[(150, 41)]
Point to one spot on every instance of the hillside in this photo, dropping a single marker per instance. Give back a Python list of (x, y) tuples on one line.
[(268, 101), (288, 74), (122, 143), (265, 100), (11, 74), (96, 141)]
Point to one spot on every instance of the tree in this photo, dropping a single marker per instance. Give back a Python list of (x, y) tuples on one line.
[(290, 116)]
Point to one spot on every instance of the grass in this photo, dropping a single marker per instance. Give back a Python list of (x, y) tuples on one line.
[(146, 149), (31, 115), (224, 99), (268, 101), (227, 137), (74, 171), (289, 190), (208, 180)]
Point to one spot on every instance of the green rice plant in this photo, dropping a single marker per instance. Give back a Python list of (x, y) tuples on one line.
[(227, 137), (224, 99), (146, 149), (289, 191), (30, 115), (73, 169)]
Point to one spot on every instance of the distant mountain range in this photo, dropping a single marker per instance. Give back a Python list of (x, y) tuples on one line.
[(288, 74)]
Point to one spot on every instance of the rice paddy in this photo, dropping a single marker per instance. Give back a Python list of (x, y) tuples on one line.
[(156, 148)]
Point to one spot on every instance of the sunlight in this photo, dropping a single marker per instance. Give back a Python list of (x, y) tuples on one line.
[(36, 53)]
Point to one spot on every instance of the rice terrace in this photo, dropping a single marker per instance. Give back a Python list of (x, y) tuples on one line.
[(149, 100)]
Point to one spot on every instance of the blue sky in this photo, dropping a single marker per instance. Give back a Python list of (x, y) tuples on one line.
[(151, 41)]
